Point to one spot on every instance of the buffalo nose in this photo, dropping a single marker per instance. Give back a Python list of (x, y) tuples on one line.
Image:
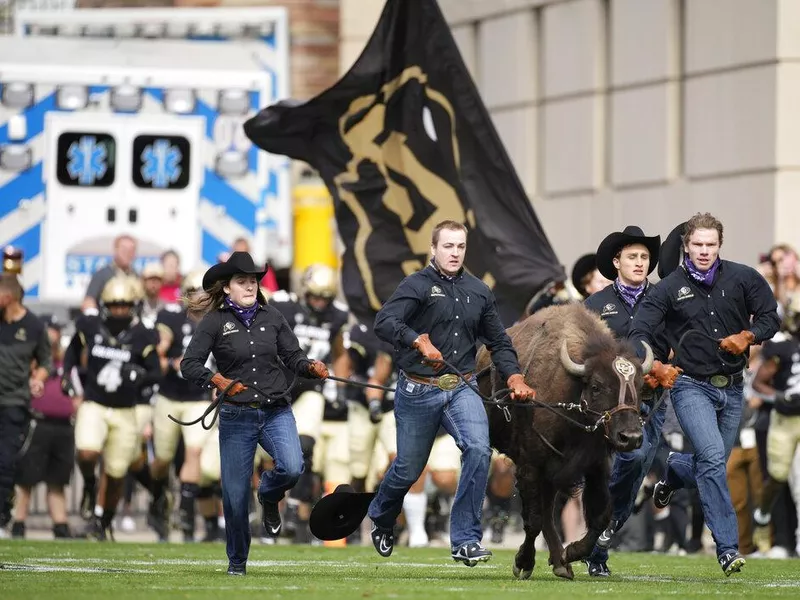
[(630, 440)]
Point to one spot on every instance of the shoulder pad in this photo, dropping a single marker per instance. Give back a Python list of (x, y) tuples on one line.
[(91, 312), (173, 307), (781, 336), (341, 306)]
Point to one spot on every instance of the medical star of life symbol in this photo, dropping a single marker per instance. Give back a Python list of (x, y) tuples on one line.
[(87, 160), (161, 164)]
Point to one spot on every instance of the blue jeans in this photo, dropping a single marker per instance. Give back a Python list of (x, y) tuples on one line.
[(630, 469), (419, 410), (240, 429), (710, 418)]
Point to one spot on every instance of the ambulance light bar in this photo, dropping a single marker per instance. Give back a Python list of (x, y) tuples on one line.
[(72, 97), (17, 95), (233, 102), (126, 98), (231, 164), (180, 101), (15, 157)]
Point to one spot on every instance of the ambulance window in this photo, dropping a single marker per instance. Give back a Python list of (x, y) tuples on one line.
[(161, 162), (86, 159)]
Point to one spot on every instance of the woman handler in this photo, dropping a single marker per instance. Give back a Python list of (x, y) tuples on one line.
[(247, 337)]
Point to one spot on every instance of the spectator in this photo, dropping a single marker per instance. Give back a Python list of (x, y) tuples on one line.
[(51, 454), (23, 339), (153, 281), (171, 288), (124, 255), (744, 476), (269, 281)]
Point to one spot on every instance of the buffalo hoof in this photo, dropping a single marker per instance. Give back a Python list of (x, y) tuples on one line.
[(521, 573), (564, 571)]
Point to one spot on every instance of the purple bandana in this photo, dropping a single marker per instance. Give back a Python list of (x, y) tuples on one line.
[(630, 295), (706, 278), (245, 315)]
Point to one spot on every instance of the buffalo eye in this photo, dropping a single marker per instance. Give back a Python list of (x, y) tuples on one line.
[(595, 389)]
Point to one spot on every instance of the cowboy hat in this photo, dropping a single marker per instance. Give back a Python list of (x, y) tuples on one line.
[(614, 242), (238, 262), (671, 251), (339, 514), (582, 267)]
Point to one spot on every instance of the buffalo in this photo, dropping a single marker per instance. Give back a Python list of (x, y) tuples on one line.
[(570, 357)]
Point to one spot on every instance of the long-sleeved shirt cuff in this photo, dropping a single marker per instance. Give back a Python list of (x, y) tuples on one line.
[(409, 336)]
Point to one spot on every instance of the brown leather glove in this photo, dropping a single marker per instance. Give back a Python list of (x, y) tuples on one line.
[(665, 375), (221, 383), (317, 369), (519, 389), (738, 342), (651, 381), (430, 353)]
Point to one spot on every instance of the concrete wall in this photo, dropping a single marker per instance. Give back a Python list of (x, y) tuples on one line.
[(643, 112)]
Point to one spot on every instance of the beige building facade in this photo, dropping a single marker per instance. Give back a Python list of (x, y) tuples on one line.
[(644, 112)]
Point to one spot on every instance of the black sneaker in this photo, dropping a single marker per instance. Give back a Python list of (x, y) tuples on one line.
[(270, 517), (598, 569), (732, 562), (95, 530), (239, 571), (18, 530), (471, 554), (61, 531), (383, 540), (88, 500), (158, 517), (604, 541), (662, 494)]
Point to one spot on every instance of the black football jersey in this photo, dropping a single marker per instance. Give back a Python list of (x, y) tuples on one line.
[(174, 320), (107, 379), (786, 350), (316, 333), (363, 347)]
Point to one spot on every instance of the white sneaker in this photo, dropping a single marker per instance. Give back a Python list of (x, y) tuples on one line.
[(778, 552), (418, 539), (127, 524)]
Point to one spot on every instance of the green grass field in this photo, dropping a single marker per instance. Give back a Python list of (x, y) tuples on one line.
[(72, 570)]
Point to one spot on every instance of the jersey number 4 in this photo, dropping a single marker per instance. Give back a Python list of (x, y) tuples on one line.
[(110, 377)]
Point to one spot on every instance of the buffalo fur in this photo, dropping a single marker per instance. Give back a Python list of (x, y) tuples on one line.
[(540, 472)]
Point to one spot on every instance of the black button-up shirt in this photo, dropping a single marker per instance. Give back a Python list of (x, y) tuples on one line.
[(738, 293), (618, 315), (20, 343), (455, 312), (249, 354)]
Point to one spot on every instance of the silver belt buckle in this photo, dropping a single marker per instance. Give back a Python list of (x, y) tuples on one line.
[(719, 381)]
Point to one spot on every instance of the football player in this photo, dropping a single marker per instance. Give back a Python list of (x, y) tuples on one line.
[(120, 361)]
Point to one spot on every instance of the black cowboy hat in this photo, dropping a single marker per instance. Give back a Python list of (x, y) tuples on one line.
[(671, 251), (238, 262), (339, 514), (582, 267), (614, 242)]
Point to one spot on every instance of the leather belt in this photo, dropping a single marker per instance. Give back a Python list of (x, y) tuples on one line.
[(247, 404), (446, 382), (720, 380)]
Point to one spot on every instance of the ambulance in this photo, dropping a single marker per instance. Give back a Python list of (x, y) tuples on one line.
[(130, 122)]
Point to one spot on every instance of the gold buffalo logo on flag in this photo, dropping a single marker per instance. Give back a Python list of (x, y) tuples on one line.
[(403, 141)]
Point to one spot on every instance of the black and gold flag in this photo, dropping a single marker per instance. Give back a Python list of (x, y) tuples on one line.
[(403, 141)]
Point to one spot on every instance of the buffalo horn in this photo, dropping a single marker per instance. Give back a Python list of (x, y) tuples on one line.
[(570, 365), (647, 363)]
